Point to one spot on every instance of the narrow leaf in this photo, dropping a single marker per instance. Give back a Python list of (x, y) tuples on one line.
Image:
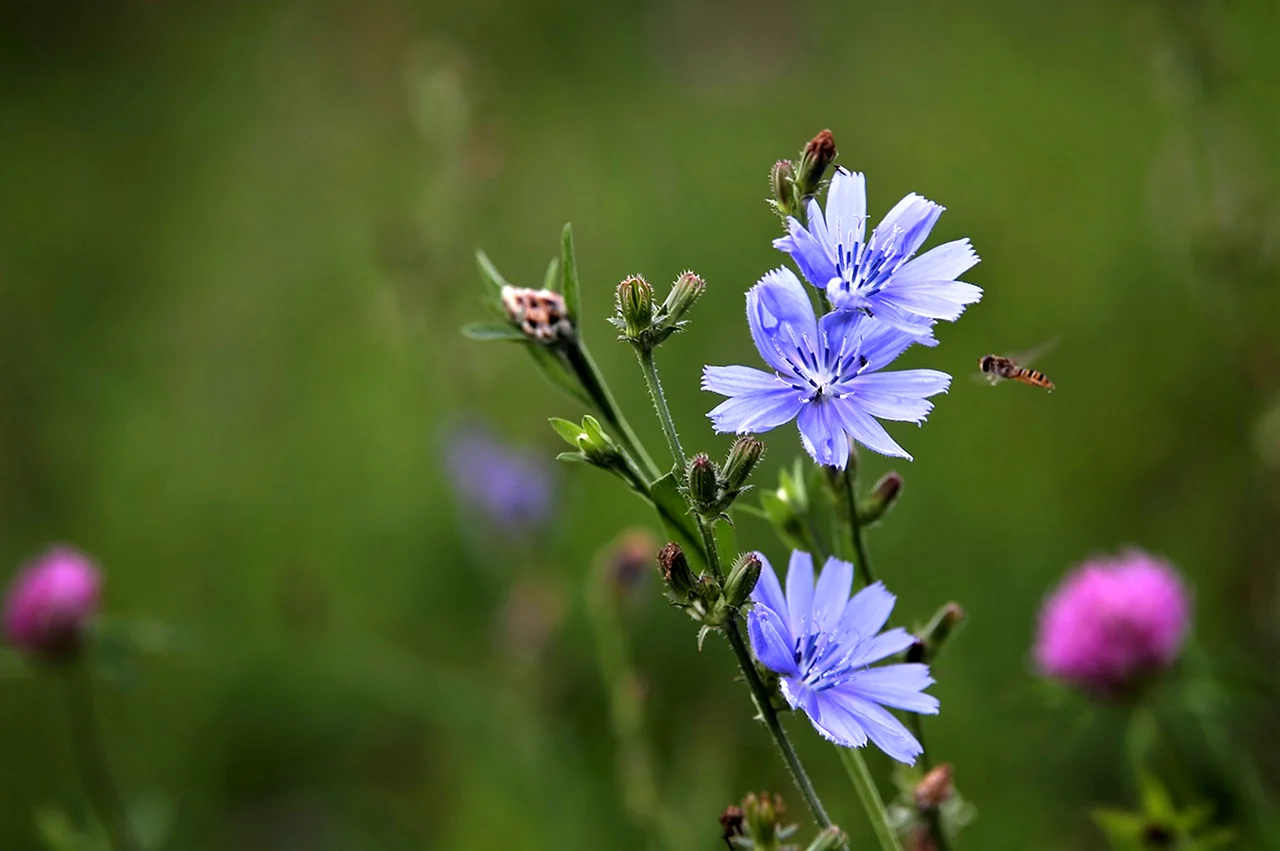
[(551, 280), (569, 274), (551, 366), (567, 429), (489, 272), (492, 331)]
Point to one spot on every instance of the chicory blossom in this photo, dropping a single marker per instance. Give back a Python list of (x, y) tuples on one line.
[(50, 601), (826, 375), (822, 644), (1113, 624), (510, 487), (878, 275)]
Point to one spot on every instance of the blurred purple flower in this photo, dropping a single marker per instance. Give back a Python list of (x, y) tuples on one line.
[(826, 375), (50, 600), (878, 274), (1113, 624), (512, 488), (823, 643)]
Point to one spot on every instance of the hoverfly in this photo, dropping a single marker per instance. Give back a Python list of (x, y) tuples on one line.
[(997, 368)]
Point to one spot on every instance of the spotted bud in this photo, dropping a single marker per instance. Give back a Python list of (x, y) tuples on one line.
[(782, 183), (702, 480), (818, 155), (743, 457), (635, 307), (743, 577), (881, 498), (676, 573)]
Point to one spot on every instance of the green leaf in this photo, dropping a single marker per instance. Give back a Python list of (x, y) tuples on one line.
[(552, 366), (567, 429), (490, 331), (1121, 829), (572, 457), (671, 507), (551, 280), (569, 274), (490, 273)]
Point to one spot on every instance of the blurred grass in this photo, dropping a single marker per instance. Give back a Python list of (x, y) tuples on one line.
[(235, 251)]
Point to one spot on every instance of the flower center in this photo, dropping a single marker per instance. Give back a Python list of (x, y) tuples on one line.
[(823, 660), (865, 267)]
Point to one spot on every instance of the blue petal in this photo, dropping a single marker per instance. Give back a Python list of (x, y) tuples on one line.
[(886, 731), (897, 395), (832, 593), (739, 380), (768, 592), (863, 428), (800, 593), (933, 299), (842, 330), (835, 722), (882, 342), (769, 641), (882, 646), (898, 686), (813, 256), (782, 295), (822, 433), (756, 412), (866, 614), (944, 262), (847, 206), (914, 216)]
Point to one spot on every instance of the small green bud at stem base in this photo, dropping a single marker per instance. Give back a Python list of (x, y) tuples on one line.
[(743, 577), (635, 306), (743, 457)]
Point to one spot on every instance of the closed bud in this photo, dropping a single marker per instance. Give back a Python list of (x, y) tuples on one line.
[(743, 457), (881, 498), (676, 573), (829, 840), (743, 577), (763, 813), (703, 482), (940, 628), (782, 183), (635, 306), (818, 155), (687, 289), (934, 789)]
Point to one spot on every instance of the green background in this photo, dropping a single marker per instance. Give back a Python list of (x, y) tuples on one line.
[(235, 249)]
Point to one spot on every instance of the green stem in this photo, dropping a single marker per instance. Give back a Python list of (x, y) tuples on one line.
[(650, 369), (588, 373), (760, 694), (855, 526), (863, 782), (92, 758)]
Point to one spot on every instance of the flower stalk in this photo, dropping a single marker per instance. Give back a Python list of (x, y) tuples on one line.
[(91, 756), (865, 784)]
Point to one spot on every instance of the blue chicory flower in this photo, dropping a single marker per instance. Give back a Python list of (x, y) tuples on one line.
[(879, 275), (826, 375), (822, 644), (511, 488)]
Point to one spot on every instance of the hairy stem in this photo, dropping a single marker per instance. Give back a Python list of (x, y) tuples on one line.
[(650, 370), (92, 758), (855, 527), (760, 694), (865, 785), (588, 373)]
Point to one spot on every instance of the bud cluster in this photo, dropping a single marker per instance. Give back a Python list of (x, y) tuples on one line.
[(701, 596), (793, 183), (712, 490), (645, 324), (593, 446)]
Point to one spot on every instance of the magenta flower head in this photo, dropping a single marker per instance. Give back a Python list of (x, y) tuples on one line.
[(49, 602), (1113, 624)]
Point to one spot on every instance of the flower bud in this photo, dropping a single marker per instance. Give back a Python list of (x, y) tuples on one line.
[(743, 577), (934, 637), (782, 183), (541, 315), (881, 498), (702, 479), (635, 306), (50, 601), (731, 822), (676, 573), (687, 289), (934, 789), (743, 457), (829, 840), (818, 155), (763, 813)]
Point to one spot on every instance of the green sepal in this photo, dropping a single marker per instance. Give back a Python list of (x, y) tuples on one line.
[(569, 275), (493, 331), (567, 429), (572, 457)]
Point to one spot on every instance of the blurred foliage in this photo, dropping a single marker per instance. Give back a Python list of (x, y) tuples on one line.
[(236, 248)]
